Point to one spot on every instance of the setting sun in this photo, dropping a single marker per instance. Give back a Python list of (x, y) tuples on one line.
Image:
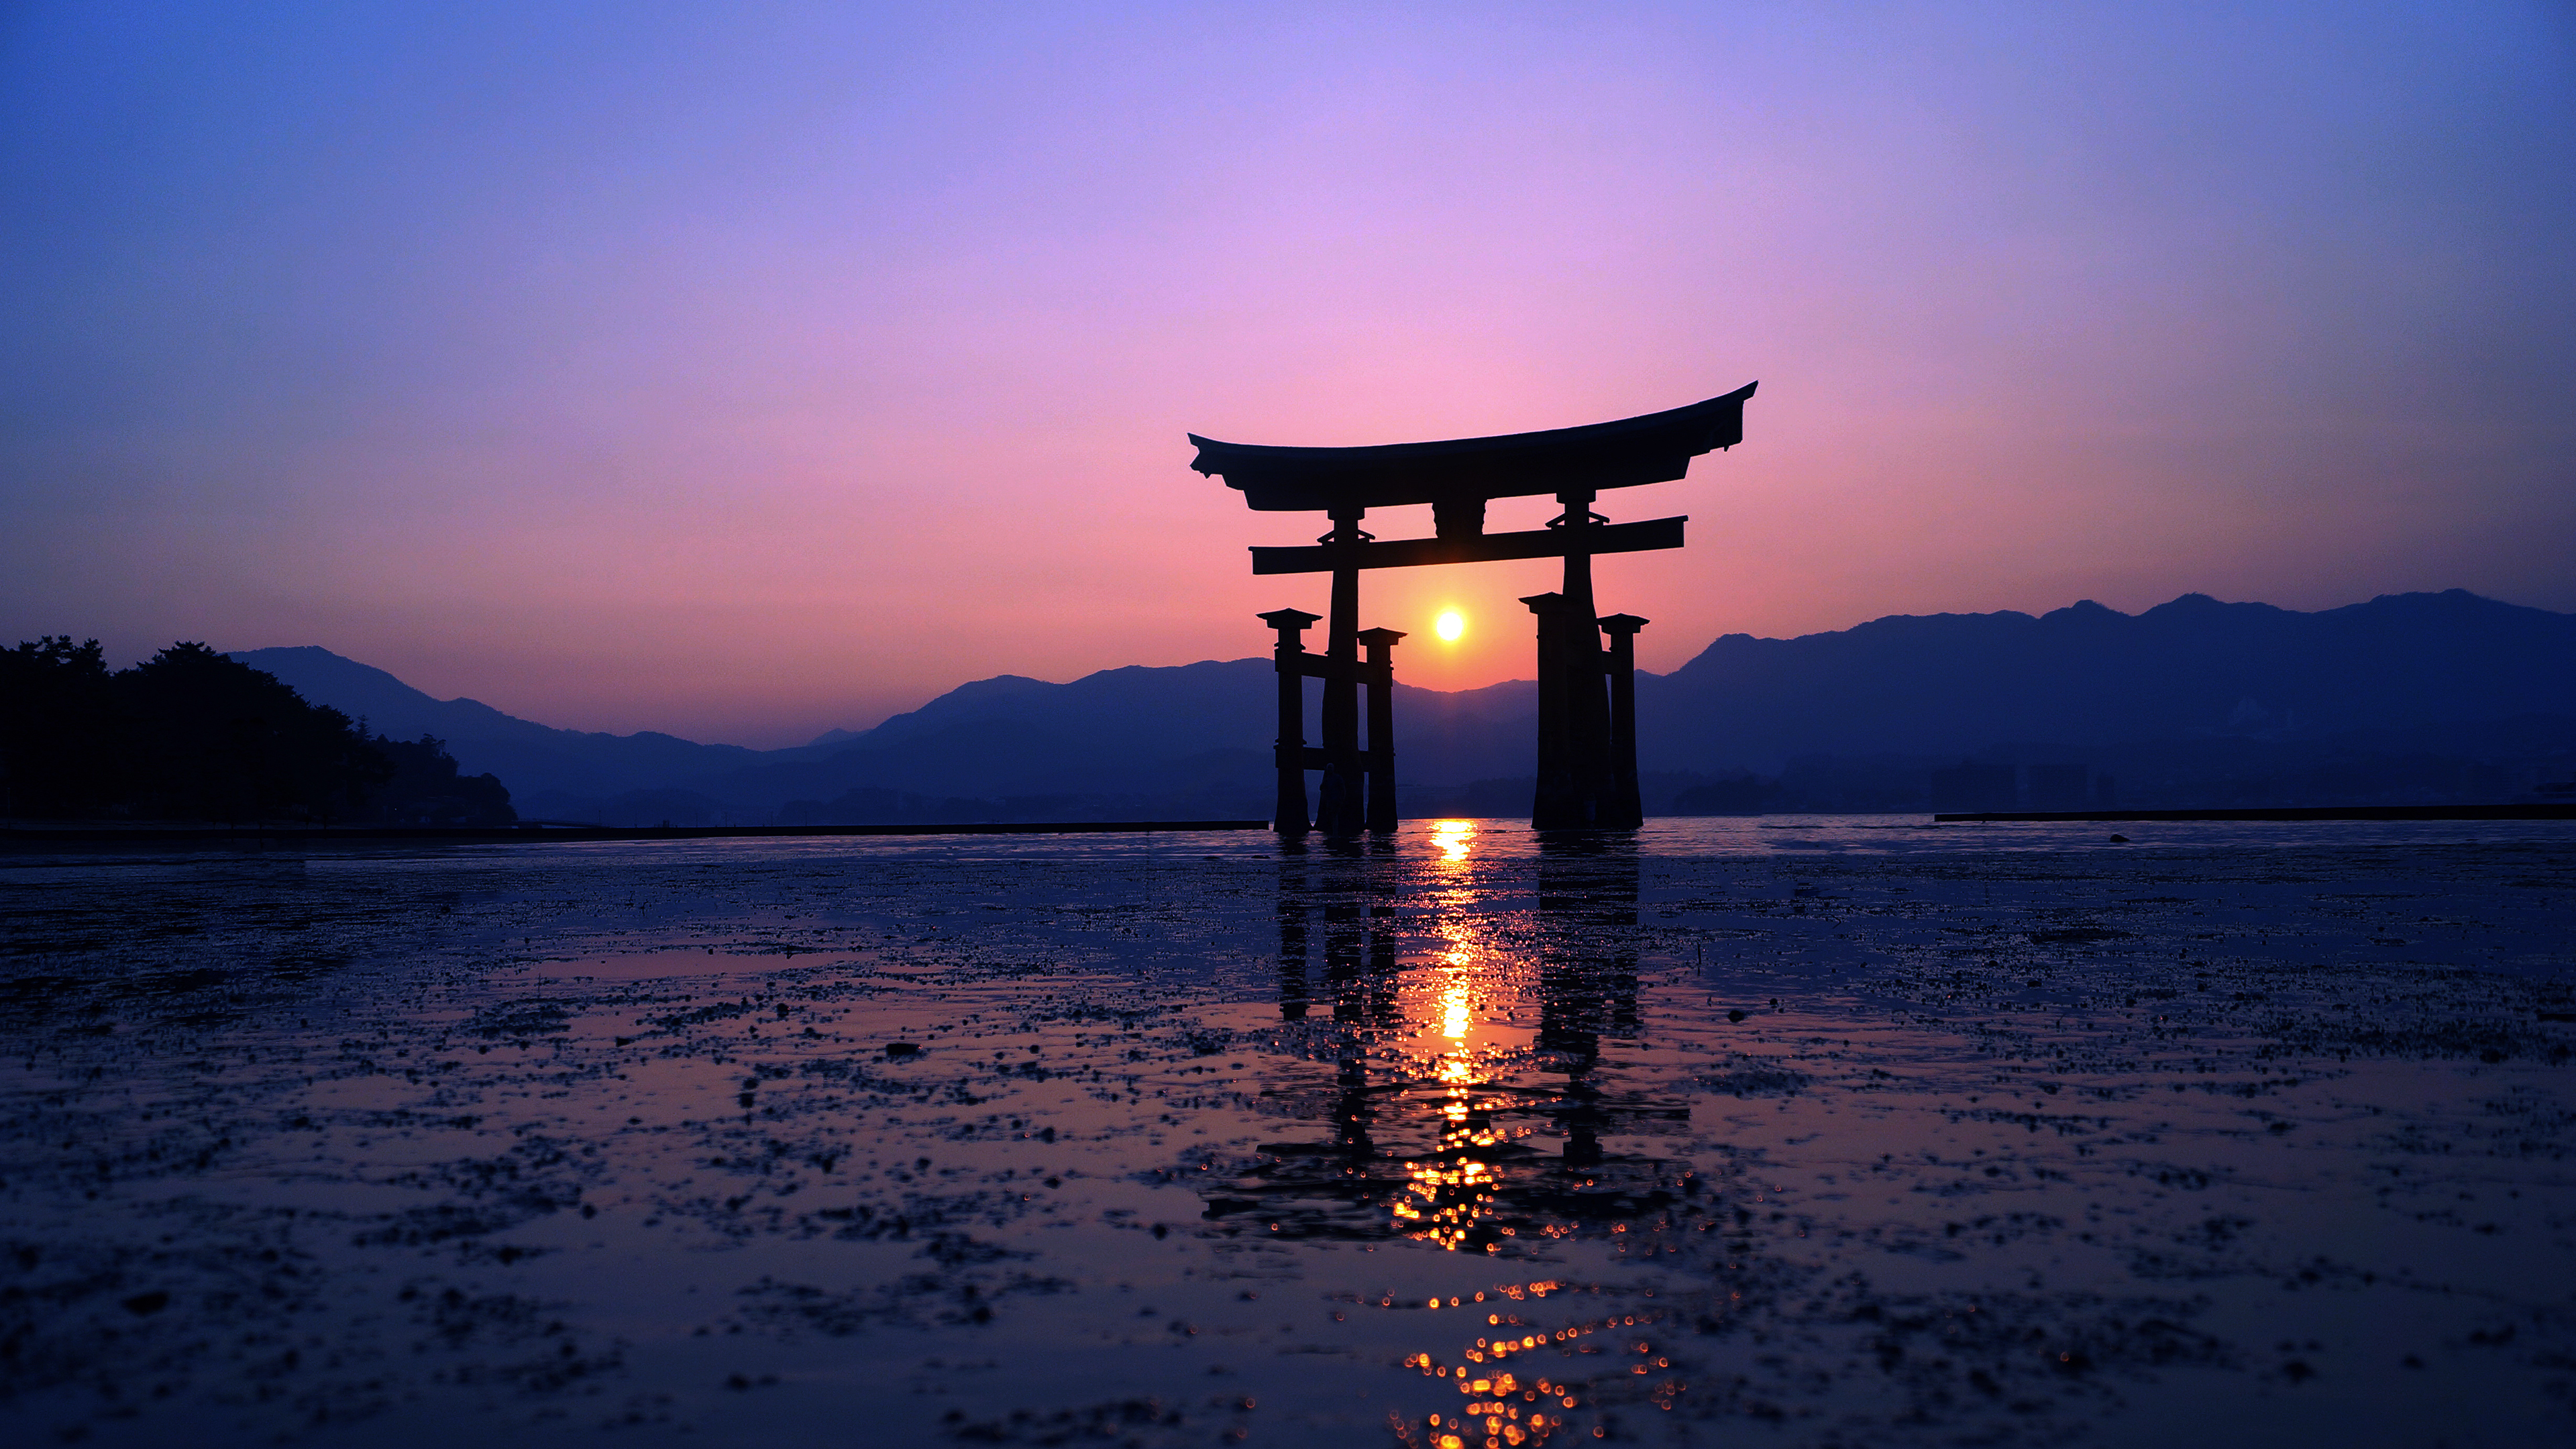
[(1450, 625)]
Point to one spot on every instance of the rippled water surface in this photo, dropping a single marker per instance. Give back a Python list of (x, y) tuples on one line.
[(1829, 1130)]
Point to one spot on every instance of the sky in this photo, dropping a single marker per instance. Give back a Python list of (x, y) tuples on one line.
[(747, 371)]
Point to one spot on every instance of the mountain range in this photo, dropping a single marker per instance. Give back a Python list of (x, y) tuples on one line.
[(2190, 701)]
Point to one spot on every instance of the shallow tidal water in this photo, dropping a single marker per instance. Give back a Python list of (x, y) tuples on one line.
[(1782, 1131)]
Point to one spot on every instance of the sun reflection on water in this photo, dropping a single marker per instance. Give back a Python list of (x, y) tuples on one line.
[(1452, 1188), (1457, 1003), (1471, 1098), (1466, 1104), (1574, 1359)]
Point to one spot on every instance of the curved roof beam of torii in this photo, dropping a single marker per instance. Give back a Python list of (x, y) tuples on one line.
[(1654, 448)]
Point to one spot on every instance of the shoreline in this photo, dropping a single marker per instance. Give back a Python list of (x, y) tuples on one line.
[(522, 834)]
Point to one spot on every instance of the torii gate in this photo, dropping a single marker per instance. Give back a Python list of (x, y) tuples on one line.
[(1587, 744)]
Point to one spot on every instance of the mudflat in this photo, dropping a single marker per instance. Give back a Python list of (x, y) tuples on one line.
[(1822, 1131)]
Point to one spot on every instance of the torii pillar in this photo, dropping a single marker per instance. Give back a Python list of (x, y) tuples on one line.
[(1577, 785), (1624, 809), (1340, 803), (1289, 750), (1344, 806), (1379, 674)]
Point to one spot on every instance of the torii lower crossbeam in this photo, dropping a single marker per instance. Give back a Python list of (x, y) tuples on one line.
[(1652, 533)]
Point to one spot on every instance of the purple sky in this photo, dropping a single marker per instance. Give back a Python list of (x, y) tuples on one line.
[(744, 371)]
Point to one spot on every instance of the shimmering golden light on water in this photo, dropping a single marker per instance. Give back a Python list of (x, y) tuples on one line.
[(1456, 1001)]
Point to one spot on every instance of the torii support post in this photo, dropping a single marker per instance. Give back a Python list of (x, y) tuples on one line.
[(1339, 808), (1381, 726), (1559, 803), (1624, 810), (1579, 665), (1289, 814), (1577, 772)]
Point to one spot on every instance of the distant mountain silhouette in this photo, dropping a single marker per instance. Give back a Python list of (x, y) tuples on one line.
[(2193, 668), (2236, 686), (532, 759), (1187, 740)]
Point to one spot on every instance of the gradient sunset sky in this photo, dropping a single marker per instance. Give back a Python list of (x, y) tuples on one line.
[(744, 370)]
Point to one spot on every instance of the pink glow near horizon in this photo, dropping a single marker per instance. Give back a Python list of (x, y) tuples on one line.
[(745, 380)]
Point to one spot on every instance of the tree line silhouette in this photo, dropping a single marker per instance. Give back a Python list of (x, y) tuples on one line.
[(191, 735)]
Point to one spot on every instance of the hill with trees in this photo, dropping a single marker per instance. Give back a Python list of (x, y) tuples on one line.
[(190, 735)]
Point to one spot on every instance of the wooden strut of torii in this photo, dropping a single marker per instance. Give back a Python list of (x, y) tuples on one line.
[(1587, 740)]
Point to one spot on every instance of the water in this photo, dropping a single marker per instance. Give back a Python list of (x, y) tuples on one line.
[(1818, 1130)]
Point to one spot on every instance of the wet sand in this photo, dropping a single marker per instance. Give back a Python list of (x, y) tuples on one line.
[(1793, 1132)]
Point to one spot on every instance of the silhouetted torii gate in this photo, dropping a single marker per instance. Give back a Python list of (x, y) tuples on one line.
[(1587, 744)]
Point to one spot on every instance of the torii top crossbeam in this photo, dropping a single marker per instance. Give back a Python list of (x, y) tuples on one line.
[(1654, 448)]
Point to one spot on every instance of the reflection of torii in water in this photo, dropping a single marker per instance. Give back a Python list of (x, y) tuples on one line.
[(1587, 744), (1432, 1155)]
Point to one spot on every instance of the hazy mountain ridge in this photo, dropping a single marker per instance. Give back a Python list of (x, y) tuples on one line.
[(529, 757), (2191, 668), (2080, 683), (1130, 732)]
